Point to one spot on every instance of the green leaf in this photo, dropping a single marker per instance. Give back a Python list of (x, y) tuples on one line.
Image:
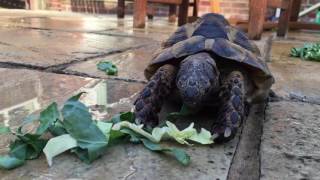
[(105, 128), (58, 145), (184, 111), (125, 116), (78, 123), (180, 136), (48, 117), (204, 137), (134, 137), (18, 149), (179, 154), (107, 67), (57, 128), (171, 131), (5, 130), (10, 162), (28, 146), (310, 51)]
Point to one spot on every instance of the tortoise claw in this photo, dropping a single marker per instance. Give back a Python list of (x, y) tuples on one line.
[(149, 102), (232, 110)]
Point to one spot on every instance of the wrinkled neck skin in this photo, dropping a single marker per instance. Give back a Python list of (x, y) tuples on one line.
[(197, 79)]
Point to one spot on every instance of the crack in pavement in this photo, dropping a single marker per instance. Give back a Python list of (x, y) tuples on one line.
[(245, 163), (103, 54), (60, 68)]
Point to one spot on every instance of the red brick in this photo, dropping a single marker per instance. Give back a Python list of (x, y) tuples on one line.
[(240, 5), (225, 4), (205, 3)]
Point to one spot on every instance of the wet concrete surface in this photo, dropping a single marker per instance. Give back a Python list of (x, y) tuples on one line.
[(294, 77), (130, 64), (58, 44), (61, 50), (120, 162), (290, 142)]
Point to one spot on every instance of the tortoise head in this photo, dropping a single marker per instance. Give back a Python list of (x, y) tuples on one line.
[(197, 78)]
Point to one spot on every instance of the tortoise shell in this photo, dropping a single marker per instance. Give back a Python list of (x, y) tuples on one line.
[(212, 33)]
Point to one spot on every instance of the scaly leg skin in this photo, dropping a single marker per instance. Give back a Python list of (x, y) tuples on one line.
[(232, 111), (151, 98)]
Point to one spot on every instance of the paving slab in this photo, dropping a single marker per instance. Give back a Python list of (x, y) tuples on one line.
[(157, 29), (290, 141), (46, 48), (29, 91), (130, 64), (294, 77)]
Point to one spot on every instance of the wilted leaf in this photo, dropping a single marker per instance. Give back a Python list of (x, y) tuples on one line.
[(309, 51), (10, 162), (179, 154), (4, 130), (78, 123), (107, 67), (180, 136), (105, 128), (204, 137), (57, 128), (48, 117), (58, 145), (28, 146), (126, 116)]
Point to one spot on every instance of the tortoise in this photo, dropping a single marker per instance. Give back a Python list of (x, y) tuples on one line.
[(206, 62)]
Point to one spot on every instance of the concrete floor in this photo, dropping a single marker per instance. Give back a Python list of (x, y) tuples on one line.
[(49, 56)]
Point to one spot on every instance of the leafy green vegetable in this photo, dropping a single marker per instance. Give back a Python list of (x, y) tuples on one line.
[(204, 137), (309, 51), (48, 117), (105, 128), (57, 129), (58, 145), (78, 123), (28, 146), (171, 131), (10, 162), (107, 67), (126, 116), (179, 154), (184, 111), (76, 131), (4, 130)]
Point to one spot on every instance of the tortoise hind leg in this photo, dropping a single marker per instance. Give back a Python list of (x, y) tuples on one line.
[(151, 98), (232, 110)]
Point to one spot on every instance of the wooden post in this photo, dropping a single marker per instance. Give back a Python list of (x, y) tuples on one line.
[(150, 11), (284, 19), (295, 10), (120, 8), (172, 13), (139, 13), (183, 12), (256, 18), (195, 8), (27, 4)]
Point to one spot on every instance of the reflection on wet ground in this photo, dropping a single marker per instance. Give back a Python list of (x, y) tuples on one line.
[(42, 51)]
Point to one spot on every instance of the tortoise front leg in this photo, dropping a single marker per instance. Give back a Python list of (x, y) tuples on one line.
[(232, 110), (151, 98)]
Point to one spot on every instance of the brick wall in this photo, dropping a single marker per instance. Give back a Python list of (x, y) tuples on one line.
[(229, 8), (238, 9), (98, 6)]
